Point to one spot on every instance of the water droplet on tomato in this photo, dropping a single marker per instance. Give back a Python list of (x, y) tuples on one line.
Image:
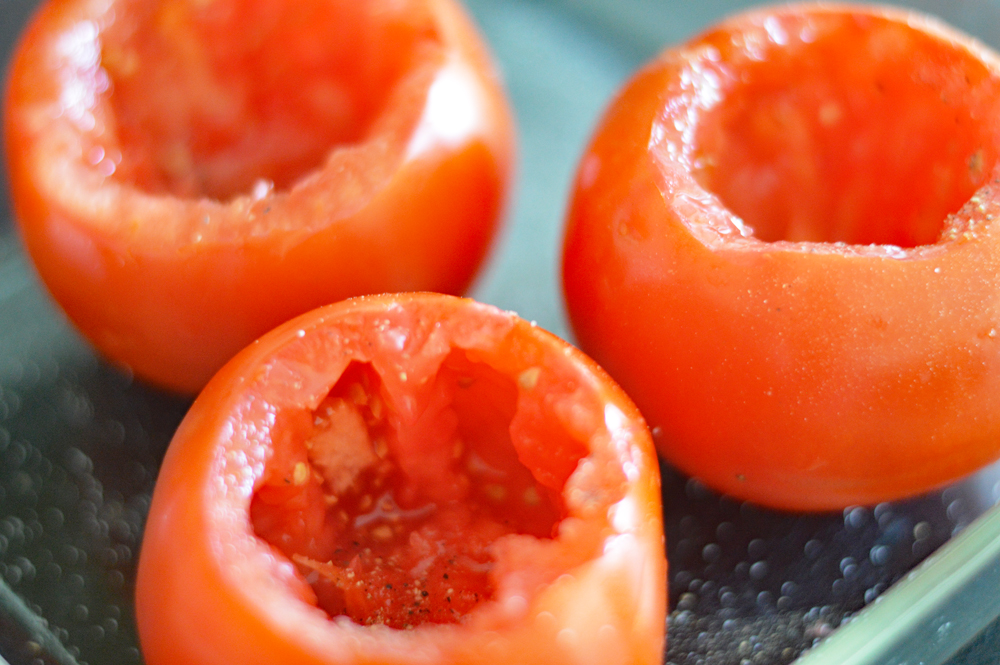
[(95, 155), (106, 168), (261, 188), (568, 637)]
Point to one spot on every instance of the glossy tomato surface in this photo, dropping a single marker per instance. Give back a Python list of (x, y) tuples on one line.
[(188, 175), (783, 243), (406, 479)]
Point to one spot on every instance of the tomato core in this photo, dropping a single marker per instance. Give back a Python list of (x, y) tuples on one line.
[(877, 146), (391, 518), (219, 99)]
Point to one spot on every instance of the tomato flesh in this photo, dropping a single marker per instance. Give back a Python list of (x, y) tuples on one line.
[(867, 147), (396, 573), (392, 522), (220, 99)]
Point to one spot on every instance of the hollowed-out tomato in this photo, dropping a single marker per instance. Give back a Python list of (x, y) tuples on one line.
[(784, 245), (188, 175), (406, 479)]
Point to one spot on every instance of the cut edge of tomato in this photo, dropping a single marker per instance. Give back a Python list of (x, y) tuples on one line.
[(675, 152)]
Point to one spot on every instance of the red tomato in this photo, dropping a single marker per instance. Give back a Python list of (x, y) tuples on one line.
[(783, 244), (188, 175), (406, 479)]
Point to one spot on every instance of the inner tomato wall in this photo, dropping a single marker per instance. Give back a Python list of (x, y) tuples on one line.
[(871, 133), (210, 98), (392, 520)]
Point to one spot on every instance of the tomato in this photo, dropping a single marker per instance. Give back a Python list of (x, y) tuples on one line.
[(783, 243), (411, 478), (188, 175)]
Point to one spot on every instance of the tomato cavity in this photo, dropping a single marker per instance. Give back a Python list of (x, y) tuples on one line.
[(394, 522), (856, 130), (235, 97)]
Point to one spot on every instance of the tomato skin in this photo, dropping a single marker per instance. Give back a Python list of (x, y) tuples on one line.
[(173, 279), (210, 591), (802, 373)]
